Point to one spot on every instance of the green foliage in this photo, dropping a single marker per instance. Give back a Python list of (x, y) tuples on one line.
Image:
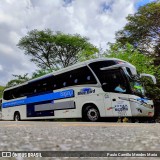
[(143, 63), (153, 91), (18, 80), (39, 73), (143, 29), (51, 51), (73, 48), (24, 78), (1, 91)]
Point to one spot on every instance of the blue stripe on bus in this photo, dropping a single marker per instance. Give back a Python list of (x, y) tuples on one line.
[(40, 98)]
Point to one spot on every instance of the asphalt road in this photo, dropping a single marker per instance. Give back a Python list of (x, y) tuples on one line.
[(79, 136)]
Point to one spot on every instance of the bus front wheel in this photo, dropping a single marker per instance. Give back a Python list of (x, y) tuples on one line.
[(17, 116), (91, 114)]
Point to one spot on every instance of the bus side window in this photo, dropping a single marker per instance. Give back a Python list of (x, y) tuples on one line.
[(8, 94), (83, 76), (75, 77), (40, 86), (58, 82), (114, 81)]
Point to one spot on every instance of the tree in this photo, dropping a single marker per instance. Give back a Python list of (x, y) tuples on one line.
[(143, 30), (52, 51), (143, 63), (1, 91), (18, 80), (39, 73)]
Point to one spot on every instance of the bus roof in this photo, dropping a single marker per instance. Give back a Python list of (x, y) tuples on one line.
[(77, 65)]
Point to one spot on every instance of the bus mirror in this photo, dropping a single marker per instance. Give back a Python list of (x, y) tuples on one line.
[(149, 75)]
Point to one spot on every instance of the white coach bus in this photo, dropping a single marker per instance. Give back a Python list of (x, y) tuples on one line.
[(0, 108), (92, 89)]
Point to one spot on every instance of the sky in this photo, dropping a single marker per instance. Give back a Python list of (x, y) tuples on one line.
[(96, 19)]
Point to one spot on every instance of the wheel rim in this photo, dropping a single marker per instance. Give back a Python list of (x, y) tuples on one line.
[(17, 118), (92, 114)]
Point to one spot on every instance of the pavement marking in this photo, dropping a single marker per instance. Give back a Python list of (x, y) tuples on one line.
[(100, 125), (73, 124), (16, 125)]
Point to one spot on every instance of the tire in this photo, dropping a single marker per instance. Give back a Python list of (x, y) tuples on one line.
[(91, 114), (17, 117)]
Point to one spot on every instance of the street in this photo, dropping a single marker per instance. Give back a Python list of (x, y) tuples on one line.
[(78, 136)]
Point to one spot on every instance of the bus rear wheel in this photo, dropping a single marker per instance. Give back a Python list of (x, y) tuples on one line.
[(91, 114), (17, 116)]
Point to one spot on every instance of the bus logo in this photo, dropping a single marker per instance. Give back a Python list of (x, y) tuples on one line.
[(84, 91)]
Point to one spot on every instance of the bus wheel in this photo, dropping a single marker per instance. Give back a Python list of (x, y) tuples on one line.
[(17, 116), (91, 114)]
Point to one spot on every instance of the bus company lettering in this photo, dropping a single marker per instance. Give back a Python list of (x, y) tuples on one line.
[(121, 107), (67, 93), (84, 91)]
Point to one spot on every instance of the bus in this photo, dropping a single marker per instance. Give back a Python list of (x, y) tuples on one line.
[(105, 87), (0, 108)]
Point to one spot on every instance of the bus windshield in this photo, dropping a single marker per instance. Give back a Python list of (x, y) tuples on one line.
[(137, 87)]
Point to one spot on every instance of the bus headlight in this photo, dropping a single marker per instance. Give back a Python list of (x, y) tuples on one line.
[(148, 105)]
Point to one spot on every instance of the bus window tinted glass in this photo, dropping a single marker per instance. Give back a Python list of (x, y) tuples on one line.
[(82, 76), (33, 88), (113, 81), (78, 76)]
